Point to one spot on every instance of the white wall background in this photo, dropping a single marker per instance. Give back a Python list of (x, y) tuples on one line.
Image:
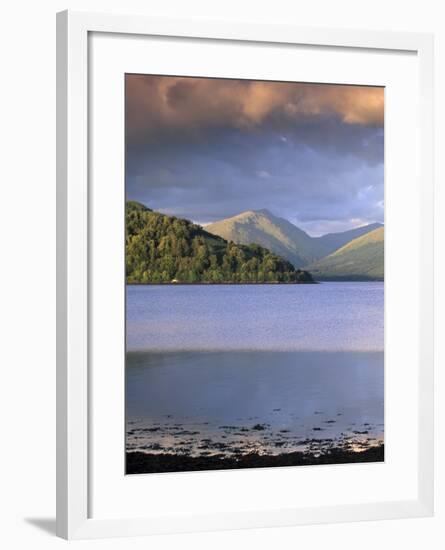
[(27, 289)]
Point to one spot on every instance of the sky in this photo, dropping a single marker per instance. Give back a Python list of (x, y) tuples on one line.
[(207, 149)]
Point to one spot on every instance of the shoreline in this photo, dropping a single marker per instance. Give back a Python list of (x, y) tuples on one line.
[(146, 463), (203, 283), (315, 282)]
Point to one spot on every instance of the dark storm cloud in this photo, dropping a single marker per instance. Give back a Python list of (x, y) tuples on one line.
[(208, 149)]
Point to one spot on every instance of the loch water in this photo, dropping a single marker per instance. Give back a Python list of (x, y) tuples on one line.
[(234, 369)]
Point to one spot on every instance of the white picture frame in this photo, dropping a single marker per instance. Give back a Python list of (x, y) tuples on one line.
[(74, 391)]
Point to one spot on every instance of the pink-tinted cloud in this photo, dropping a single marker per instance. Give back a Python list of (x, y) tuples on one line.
[(158, 105)]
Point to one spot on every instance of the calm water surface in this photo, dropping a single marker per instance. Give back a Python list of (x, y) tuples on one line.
[(268, 368)]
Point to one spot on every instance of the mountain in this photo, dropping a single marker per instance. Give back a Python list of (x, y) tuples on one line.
[(263, 228), (332, 241), (360, 259), (281, 236), (164, 249)]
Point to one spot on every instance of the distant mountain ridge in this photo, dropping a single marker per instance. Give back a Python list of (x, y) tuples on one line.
[(333, 241), (283, 237), (360, 259)]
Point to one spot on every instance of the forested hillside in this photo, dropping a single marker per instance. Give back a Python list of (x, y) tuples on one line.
[(164, 249)]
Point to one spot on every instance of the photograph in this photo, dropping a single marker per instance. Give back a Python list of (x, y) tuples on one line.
[(254, 273)]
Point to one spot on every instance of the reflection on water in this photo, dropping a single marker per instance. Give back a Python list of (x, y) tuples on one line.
[(237, 402)]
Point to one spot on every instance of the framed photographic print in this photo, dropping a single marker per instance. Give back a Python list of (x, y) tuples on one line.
[(245, 297), (250, 341)]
